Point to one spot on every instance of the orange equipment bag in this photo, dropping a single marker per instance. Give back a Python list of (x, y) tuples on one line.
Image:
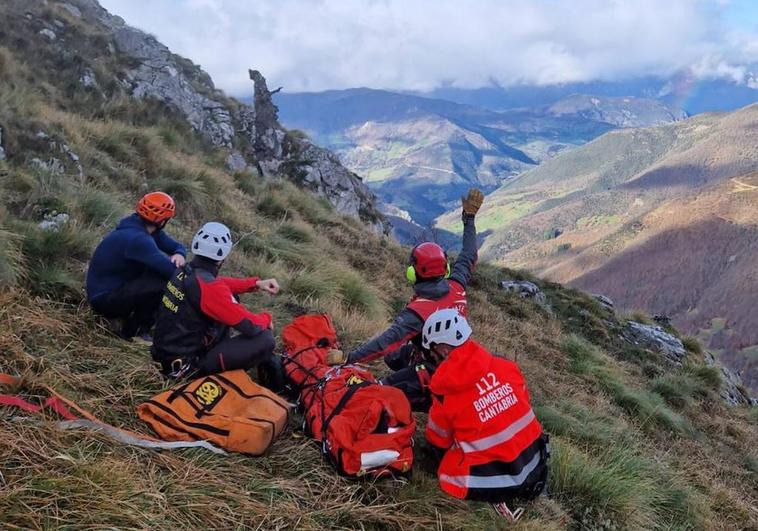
[(229, 410), (365, 428)]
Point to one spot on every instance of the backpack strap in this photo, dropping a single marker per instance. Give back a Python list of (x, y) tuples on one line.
[(351, 390)]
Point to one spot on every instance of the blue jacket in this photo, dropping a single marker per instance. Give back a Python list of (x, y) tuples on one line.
[(126, 253)]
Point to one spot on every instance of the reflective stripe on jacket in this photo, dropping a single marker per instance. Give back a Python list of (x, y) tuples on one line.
[(482, 415)]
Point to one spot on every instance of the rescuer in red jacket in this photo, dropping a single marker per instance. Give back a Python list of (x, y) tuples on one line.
[(198, 309), (436, 285), (494, 449)]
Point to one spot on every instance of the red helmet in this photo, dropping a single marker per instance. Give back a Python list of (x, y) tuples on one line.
[(428, 260), (156, 207)]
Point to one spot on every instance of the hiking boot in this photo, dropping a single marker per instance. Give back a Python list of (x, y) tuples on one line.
[(145, 340)]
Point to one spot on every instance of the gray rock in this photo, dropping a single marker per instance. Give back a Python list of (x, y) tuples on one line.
[(236, 162), (54, 165), (74, 158), (313, 167), (59, 24), (72, 9), (732, 390), (604, 301), (54, 221), (88, 79), (524, 289), (160, 76), (656, 339), (48, 34)]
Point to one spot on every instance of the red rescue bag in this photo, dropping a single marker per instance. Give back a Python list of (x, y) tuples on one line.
[(365, 428)]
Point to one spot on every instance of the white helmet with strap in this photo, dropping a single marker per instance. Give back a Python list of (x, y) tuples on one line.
[(213, 241), (446, 327)]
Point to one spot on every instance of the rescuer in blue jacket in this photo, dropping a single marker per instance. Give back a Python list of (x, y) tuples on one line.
[(131, 266)]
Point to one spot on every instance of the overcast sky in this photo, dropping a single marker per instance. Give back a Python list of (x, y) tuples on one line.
[(309, 45)]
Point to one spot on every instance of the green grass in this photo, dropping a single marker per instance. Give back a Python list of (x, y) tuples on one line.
[(596, 220), (100, 208), (272, 207), (295, 233), (12, 269), (647, 407), (379, 174), (617, 489)]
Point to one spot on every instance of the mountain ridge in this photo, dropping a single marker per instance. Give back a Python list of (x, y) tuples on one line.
[(402, 142), (582, 210)]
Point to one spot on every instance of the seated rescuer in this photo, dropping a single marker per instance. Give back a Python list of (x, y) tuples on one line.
[(129, 268), (435, 286), (494, 449), (199, 307)]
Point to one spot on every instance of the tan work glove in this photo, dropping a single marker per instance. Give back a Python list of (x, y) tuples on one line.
[(336, 357), (472, 202)]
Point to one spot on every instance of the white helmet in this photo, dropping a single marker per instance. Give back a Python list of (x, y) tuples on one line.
[(446, 327), (213, 241)]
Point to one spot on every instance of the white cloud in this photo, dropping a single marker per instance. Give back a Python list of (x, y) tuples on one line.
[(422, 44)]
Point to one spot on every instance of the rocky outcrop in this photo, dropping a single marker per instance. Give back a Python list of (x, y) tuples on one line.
[(605, 302), (656, 339), (732, 390), (279, 152), (524, 289), (256, 140), (158, 75), (54, 221)]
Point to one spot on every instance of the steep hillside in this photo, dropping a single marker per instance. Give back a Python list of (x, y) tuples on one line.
[(639, 442), (635, 204), (96, 61), (692, 258), (403, 143)]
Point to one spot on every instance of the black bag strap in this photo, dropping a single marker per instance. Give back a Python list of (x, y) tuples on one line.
[(351, 390)]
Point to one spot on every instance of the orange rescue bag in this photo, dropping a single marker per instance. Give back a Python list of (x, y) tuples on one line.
[(229, 409), (364, 428)]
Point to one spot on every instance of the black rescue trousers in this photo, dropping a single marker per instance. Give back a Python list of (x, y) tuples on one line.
[(412, 374), (244, 352), (136, 302)]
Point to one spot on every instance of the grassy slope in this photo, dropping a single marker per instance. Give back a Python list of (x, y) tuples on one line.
[(636, 444)]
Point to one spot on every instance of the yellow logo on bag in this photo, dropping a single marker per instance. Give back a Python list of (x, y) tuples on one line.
[(208, 393), (354, 380)]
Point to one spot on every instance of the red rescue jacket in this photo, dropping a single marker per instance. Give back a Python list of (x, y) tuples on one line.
[(482, 415)]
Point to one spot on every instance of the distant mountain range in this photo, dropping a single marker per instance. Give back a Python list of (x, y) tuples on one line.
[(661, 219), (419, 154), (682, 90)]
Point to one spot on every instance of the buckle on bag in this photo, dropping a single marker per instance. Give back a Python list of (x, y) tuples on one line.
[(179, 368)]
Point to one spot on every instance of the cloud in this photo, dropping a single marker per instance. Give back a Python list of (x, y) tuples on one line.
[(423, 44)]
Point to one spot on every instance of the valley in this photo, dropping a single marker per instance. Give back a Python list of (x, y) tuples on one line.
[(661, 219), (420, 154)]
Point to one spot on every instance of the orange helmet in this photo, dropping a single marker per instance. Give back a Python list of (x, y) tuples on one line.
[(156, 207)]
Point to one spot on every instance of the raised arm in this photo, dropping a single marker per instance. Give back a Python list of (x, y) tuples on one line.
[(463, 269), (405, 326)]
